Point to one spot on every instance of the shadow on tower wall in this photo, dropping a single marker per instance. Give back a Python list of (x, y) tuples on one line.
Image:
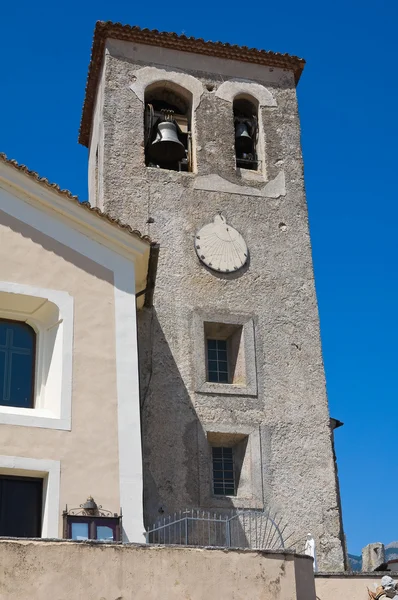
[(171, 431)]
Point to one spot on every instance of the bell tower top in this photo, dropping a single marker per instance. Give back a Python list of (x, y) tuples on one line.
[(108, 30)]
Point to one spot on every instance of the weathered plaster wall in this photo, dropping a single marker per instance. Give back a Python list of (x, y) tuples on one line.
[(352, 586), (275, 289), (96, 155), (64, 570), (88, 454)]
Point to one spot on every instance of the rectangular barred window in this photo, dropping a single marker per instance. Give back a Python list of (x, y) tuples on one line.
[(217, 361), (223, 472)]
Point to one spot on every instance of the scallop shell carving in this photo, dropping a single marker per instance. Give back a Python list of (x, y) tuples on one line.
[(221, 247)]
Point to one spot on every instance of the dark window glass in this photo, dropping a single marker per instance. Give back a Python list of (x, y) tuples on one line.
[(223, 472), (217, 361), (17, 362), (20, 506)]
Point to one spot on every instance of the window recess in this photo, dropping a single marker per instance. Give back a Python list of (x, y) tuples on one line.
[(36, 349), (246, 134), (225, 361), (229, 463), (167, 130), (230, 367)]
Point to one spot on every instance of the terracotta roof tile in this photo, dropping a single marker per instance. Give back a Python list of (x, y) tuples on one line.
[(69, 196), (104, 30)]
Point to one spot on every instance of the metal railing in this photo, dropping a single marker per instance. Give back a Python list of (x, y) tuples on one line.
[(228, 529)]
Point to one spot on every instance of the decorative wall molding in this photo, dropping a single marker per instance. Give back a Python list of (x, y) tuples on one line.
[(232, 88), (215, 183), (149, 75)]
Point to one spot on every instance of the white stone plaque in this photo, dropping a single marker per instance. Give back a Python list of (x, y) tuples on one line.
[(221, 247)]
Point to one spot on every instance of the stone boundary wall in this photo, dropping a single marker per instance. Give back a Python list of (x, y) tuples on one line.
[(65, 570), (347, 586)]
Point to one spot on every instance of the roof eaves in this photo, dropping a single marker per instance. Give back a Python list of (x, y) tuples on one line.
[(69, 196)]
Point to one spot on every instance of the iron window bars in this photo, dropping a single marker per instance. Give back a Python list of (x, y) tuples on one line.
[(223, 472), (217, 361)]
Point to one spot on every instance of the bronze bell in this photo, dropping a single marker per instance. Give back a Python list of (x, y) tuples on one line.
[(243, 140), (167, 148), (90, 506)]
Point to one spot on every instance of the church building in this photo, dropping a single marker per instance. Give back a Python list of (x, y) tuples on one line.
[(69, 392), (207, 390)]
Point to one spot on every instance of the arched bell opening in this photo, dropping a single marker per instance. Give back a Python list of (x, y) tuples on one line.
[(167, 121), (246, 132)]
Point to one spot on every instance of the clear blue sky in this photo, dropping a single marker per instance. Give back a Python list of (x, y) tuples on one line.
[(348, 105)]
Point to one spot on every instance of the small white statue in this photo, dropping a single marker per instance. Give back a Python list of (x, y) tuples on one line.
[(309, 550)]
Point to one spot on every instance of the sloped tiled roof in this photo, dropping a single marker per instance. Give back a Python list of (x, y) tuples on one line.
[(104, 30), (71, 198)]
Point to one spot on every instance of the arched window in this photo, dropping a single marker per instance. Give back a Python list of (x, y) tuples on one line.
[(167, 124), (246, 133), (17, 364)]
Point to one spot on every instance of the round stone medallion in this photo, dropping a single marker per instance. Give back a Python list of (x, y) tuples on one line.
[(221, 247)]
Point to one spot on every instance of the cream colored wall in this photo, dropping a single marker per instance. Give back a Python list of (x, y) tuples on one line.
[(345, 587), (89, 453), (65, 570)]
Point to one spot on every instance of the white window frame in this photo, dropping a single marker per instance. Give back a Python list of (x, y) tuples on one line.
[(53, 361), (50, 472)]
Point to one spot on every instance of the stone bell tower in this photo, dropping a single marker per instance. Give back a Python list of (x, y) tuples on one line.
[(197, 144)]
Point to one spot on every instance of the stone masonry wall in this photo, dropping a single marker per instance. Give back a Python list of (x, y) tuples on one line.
[(288, 415)]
